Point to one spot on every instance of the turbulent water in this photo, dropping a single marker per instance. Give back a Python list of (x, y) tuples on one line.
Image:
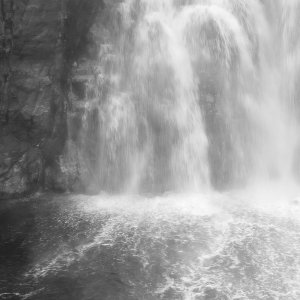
[(191, 98), (188, 247)]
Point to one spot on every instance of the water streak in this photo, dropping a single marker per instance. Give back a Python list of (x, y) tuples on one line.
[(197, 95)]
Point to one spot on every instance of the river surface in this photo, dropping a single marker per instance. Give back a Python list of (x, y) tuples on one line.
[(237, 245)]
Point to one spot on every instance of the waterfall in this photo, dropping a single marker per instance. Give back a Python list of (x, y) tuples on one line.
[(194, 95), (152, 135), (183, 140)]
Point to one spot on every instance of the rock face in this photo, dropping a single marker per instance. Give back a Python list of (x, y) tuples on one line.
[(40, 42)]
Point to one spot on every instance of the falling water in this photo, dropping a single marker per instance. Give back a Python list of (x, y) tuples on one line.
[(152, 134), (195, 95)]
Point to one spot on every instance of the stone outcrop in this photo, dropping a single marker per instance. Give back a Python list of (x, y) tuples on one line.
[(40, 42)]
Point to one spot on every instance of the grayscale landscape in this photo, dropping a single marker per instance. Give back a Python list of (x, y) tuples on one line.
[(150, 149)]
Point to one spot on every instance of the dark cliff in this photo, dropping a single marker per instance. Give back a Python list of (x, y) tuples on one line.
[(40, 45)]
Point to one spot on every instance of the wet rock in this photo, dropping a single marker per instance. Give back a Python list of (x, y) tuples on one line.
[(40, 44), (20, 169)]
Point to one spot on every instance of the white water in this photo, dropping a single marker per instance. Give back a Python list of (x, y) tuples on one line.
[(194, 97), (189, 247), (153, 136), (197, 95)]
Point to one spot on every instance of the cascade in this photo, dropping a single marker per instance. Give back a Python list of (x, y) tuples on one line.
[(194, 95)]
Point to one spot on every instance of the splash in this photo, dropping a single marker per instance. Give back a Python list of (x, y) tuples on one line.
[(173, 247)]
